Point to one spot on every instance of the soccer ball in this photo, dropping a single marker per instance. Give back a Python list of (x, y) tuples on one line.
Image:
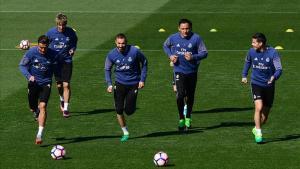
[(58, 152), (160, 159), (24, 44)]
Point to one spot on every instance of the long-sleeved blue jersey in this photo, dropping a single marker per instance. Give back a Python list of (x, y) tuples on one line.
[(63, 42), (177, 45), (38, 65), (130, 66), (264, 65)]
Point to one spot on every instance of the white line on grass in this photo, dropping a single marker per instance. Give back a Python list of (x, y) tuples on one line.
[(159, 12), (160, 50)]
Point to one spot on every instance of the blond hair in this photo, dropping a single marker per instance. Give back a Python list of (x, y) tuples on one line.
[(61, 18)]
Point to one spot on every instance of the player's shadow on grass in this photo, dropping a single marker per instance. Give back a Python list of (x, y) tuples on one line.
[(285, 138), (63, 140), (97, 111), (170, 133), (224, 110), (229, 124)]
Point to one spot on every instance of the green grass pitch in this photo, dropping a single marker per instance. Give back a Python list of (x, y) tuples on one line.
[(223, 110)]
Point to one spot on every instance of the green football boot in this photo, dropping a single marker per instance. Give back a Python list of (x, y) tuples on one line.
[(181, 124), (124, 138), (258, 137), (188, 122)]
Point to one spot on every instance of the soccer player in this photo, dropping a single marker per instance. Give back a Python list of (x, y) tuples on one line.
[(37, 67), (266, 69), (64, 40), (185, 49), (130, 75)]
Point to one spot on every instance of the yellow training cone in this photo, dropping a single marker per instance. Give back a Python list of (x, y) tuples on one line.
[(161, 30), (279, 47), (289, 30), (137, 46), (213, 30)]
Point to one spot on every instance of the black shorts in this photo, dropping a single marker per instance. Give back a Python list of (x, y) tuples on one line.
[(37, 93), (125, 97), (266, 94), (63, 72), (185, 84)]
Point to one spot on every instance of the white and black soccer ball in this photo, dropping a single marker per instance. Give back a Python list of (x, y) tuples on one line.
[(161, 159), (24, 44), (58, 152)]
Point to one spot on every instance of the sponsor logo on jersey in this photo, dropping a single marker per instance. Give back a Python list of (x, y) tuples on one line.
[(268, 59), (190, 45), (129, 59)]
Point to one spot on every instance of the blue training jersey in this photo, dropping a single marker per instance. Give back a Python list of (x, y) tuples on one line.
[(264, 65), (177, 45), (63, 42), (38, 65), (130, 66)]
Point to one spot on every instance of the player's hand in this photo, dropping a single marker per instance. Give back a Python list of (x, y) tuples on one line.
[(244, 80), (188, 56), (271, 80), (31, 79), (141, 85), (71, 52), (173, 58), (110, 89)]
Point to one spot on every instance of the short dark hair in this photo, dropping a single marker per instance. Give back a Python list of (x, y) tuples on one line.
[(185, 21), (121, 36), (260, 37), (43, 39)]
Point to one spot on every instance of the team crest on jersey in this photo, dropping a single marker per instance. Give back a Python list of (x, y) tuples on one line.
[(68, 39), (268, 60), (262, 59), (178, 45), (36, 60), (56, 39), (255, 59), (118, 61), (190, 45), (129, 59)]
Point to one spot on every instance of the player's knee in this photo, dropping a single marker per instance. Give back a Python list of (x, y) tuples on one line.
[(42, 105), (258, 109), (66, 85)]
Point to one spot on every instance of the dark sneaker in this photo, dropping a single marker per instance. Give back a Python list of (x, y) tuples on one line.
[(66, 113)]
